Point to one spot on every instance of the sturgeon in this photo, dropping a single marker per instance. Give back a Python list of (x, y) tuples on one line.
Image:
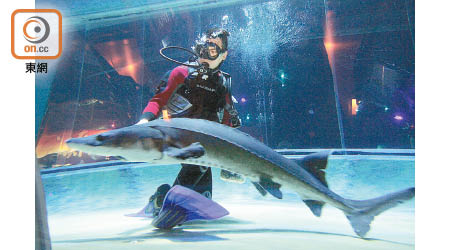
[(206, 143)]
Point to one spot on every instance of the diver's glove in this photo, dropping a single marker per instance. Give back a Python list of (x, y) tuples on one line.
[(146, 117), (235, 121)]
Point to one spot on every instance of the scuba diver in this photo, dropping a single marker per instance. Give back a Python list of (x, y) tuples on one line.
[(196, 89)]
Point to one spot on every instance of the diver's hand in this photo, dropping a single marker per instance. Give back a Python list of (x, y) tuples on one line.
[(235, 121), (146, 117), (142, 121)]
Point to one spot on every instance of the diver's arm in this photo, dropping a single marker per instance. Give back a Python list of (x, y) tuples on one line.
[(230, 115), (158, 101)]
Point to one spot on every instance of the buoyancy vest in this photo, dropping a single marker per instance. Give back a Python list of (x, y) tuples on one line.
[(199, 96)]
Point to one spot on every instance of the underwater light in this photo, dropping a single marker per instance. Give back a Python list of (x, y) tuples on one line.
[(398, 117), (282, 79), (243, 100), (355, 106), (248, 117)]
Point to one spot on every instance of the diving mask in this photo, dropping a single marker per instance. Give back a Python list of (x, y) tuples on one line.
[(208, 50)]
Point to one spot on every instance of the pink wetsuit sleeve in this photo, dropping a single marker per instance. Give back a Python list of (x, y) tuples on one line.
[(159, 100)]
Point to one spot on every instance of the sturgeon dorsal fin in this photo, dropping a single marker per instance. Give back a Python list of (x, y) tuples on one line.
[(315, 206), (316, 164), (260, 189), (270, 186)]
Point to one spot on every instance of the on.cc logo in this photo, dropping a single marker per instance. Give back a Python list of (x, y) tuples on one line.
[(36, 34), (40, 27)]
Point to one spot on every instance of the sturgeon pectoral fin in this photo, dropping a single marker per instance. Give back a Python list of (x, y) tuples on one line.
[(229, 176), (259, 188), (194, 150), (270, 186), (315, 206)]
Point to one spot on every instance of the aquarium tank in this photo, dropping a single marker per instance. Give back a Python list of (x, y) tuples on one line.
[(322, 77)]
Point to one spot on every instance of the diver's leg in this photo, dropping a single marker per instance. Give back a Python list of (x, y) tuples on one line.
[(188, 199), (197, 178), (155, 201)]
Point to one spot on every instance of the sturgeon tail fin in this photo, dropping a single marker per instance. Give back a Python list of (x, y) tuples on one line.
[(366, 210)]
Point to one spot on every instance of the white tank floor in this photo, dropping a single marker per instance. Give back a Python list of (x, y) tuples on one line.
[(258, 225)]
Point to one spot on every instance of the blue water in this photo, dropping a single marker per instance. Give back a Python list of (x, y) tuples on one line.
[(129, 187), (293, 92), (295, 96), (86, 210)]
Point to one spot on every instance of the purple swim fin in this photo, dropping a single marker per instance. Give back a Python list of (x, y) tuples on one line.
[(154, 204), (183, 204), (146, 212)]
